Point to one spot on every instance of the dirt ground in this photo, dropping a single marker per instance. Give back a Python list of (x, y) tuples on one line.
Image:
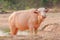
[(48, 30)]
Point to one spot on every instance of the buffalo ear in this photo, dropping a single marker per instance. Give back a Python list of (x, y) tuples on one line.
[(36, 11), (46, 10)]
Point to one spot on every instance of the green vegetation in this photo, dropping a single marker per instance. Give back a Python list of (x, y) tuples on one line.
[(7, 30), (26, 4)]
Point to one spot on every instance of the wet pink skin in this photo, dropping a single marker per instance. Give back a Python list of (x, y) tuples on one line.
[(25, 20)]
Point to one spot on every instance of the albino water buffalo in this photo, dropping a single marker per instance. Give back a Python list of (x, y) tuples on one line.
[(26, 20)]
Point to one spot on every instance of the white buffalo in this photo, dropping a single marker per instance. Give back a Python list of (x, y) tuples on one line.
[(27, 20)]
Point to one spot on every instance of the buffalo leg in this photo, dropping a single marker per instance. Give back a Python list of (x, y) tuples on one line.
[(13, 30), (31, 30), (35, 30)]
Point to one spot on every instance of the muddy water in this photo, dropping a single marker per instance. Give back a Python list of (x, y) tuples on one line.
[(2, 33)]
